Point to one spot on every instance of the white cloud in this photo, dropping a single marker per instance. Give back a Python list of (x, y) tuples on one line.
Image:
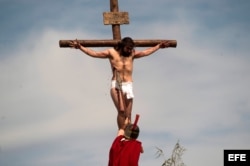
[(54, 89)]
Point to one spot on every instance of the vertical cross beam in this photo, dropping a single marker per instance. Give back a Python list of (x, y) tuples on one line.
[(115, 27)]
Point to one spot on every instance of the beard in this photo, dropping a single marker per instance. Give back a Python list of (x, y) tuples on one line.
[(125, 54)]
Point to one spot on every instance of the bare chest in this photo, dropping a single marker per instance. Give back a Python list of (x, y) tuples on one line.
[(125, 63)]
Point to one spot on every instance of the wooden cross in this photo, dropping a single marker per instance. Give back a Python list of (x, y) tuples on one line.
[(115, 18)]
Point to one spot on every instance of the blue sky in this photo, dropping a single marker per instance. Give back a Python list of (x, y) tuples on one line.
[(55, 107)]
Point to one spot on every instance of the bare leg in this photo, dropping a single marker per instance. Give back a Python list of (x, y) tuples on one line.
[(121, 115), (128, 108)]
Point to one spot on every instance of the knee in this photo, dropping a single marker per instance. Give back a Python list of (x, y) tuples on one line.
[(124, 114), (121, 114), (128, 114)]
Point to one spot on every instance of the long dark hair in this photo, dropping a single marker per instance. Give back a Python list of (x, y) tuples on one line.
[(126, 41)]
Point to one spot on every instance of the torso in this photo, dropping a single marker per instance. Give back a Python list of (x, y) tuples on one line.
[(122, 65)]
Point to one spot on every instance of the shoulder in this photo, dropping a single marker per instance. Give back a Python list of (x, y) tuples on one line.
[(118, 139), (112, 50), (136, 53), (136, 141)]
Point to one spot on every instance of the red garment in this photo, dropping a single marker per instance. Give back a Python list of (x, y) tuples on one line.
[(124, 152)]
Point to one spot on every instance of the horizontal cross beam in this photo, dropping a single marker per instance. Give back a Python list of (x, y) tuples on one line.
[(113, 43)]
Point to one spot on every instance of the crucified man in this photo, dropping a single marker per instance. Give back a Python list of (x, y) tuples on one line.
[(121, 60)]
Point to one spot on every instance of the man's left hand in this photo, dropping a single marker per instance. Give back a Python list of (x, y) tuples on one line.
[(164, 44)]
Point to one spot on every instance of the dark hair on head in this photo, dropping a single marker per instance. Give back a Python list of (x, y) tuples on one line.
[(126, 41)]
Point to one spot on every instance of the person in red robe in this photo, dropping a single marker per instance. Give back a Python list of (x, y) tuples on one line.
[(126, 149)]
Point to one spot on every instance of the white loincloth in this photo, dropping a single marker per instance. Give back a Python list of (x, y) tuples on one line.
[(126, 87)]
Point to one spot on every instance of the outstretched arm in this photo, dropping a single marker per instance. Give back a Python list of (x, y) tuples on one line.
[(149, 51), (100, 54)]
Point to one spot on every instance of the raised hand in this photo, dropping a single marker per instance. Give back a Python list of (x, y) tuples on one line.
[(75, 44), (164, 44)]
